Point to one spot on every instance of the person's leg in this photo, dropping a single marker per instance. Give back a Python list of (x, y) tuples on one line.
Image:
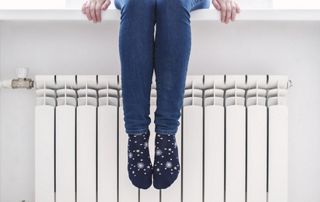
[(172, 51), (136, 47)]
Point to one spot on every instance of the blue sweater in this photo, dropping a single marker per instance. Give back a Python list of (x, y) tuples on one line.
[(199, 4)]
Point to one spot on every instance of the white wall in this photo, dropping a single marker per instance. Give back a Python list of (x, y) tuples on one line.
[(76, 4), (240, 48), (18, 4)]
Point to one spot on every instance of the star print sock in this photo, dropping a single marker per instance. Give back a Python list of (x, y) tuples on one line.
[(166, 163), (139, 163)]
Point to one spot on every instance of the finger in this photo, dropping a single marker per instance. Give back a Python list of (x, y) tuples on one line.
[(216, 5), (93, 11), (87, 9), (234, 11), (98, 12), (83, 9), (228, 14), (237, 7), (223, 12), (105, 5)]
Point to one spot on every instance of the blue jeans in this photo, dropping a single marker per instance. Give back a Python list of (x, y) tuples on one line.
[(167, 53)]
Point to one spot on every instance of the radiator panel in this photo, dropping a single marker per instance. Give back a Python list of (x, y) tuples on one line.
[(192, 153), (235, 153), (278, 153), (86, 153), (214, 153), (107, 153), (65, 153), (257, 153), (44, 153)]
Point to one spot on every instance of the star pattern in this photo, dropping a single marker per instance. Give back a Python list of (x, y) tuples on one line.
[(166, 162), (139, 164)]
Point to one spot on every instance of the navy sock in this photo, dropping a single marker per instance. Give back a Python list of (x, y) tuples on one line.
[(139, 162), (166, 163)]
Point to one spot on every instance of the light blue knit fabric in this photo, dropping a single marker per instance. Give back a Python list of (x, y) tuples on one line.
[(195, 4)]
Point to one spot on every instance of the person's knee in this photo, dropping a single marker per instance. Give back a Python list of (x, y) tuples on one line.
[(138, 6), (175, 7)]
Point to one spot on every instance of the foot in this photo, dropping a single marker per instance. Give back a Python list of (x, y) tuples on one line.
[(139, 162), (166, 163)]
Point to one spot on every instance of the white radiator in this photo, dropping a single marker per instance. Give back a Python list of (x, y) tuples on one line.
[(233, 140)]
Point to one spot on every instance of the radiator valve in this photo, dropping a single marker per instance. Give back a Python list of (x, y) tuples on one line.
[(20, 82)]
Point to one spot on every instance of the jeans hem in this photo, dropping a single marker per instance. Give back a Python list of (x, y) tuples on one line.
[(136, 132), (166, 132)]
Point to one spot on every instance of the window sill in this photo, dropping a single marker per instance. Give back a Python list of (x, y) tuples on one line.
[(198, 15)]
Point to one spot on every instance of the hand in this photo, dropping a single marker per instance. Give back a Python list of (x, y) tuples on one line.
[(228, 9), (92, 9)]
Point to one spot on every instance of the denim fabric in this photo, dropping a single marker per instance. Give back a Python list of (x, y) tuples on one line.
[(167, 52)]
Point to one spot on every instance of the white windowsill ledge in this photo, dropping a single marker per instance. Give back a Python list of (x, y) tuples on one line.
[(198, 15)]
